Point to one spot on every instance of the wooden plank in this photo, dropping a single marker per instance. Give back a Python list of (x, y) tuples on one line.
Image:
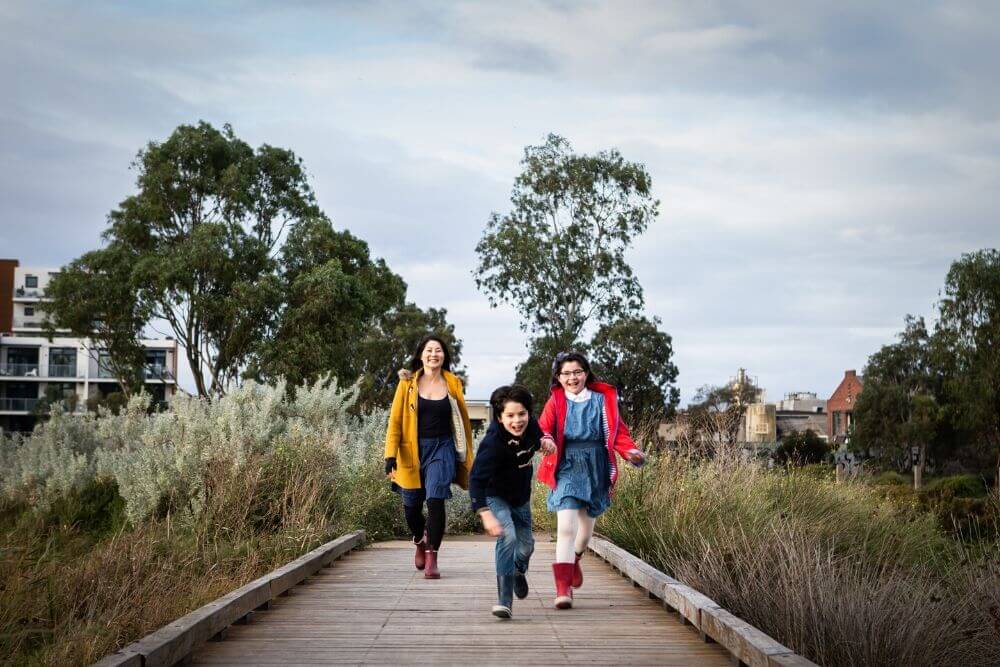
[(750, 645), (369, 609), (175, 641), (122, 658)]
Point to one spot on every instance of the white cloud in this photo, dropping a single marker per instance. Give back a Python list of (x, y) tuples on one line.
[(819, 167)]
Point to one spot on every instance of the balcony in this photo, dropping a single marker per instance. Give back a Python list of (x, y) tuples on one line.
[(19, 370), (32, 293), (158, 372), (35, 322), (18, 404), (62, 371)]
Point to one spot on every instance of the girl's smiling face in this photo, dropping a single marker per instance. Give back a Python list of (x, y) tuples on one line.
[(572, 377), (514, 417)]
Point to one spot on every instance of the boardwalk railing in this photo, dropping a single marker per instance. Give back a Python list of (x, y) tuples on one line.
[(174, 642), (745, 643)]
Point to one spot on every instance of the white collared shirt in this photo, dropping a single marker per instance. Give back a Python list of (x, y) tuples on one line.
[(582, 397)]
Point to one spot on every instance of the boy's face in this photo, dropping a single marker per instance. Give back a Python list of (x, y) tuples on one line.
[(514, 417)]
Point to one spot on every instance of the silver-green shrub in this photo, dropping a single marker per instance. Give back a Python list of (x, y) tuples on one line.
[(56, 460), (164, 457)]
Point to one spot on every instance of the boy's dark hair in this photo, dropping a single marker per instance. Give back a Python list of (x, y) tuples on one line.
[(415, 363), (564, 357), (517, 393)]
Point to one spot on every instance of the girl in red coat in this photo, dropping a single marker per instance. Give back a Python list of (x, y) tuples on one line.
[(581, 419)]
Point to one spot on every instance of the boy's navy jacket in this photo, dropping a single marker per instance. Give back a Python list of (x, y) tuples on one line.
[(503, 465)]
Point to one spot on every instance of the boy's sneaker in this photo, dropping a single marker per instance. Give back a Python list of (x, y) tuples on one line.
[(520, 585), (505, 601), (501, 611)]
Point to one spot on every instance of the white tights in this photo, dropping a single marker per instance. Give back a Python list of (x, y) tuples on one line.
[(574, 528)]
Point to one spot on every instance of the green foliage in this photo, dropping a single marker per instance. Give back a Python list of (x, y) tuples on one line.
[(636, 357), (957, 486), (891, 478), (824, 472), (801, 448), (193, 247), (227, 245), (535, 372), (558, 256), (95, 297), (333, 293), (970, 329), (938, 390), (387, 345), (97, 509)]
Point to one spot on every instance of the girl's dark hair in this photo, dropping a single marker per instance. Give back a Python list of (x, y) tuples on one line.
[(564, 357), (517, 393), (416, 364)]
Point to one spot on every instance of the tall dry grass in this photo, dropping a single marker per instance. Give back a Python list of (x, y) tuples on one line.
[(112, 527), (835, 571)]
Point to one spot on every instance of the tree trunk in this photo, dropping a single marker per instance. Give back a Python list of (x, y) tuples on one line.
[(918, 470)]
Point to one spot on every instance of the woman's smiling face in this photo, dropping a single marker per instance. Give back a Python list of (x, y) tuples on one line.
[(432, 356), (572, 377)]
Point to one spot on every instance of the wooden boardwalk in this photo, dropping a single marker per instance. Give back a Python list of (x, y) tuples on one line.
[(373, 607)]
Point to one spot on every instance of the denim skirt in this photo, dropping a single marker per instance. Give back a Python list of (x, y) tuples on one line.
[(583, 479), (437, 470)]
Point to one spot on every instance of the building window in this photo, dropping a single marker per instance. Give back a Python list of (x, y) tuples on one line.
[(62, 362), (31, 281), (836, 423), (104, 365), (156, 364), (29, 311)]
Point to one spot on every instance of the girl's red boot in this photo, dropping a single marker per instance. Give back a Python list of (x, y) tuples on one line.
[(577, 572), (431, 568), (420, 556), (563, 574)]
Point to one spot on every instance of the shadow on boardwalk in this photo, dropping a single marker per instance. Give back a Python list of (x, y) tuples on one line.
[(372, 607)]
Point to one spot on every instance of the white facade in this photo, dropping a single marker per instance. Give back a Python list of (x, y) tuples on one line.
[(65, 368), (802, 401)]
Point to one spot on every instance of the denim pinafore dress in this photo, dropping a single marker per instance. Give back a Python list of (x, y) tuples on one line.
[(583, 476)]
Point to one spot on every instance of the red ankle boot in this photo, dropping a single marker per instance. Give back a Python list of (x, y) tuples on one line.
[(577, 572), (419, 556), (563, 574), (431, 569)]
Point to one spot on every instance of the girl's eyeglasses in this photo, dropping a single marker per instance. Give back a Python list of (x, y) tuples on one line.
[(572, 374)]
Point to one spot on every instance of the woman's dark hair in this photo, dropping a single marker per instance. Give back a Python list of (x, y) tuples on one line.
[(517, 393), (564, 357), (416, 364)]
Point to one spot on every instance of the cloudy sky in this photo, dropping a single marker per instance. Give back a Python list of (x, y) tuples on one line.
[(819, 164)]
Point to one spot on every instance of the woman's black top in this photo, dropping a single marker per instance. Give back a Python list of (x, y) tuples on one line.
[(433, 417)]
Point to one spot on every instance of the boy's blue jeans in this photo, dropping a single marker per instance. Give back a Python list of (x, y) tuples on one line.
[(515, 546)]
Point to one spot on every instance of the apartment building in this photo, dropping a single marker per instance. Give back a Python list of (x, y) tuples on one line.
[(73, 370)]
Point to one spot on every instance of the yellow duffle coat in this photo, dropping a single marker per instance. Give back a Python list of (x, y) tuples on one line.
[(401, 436)]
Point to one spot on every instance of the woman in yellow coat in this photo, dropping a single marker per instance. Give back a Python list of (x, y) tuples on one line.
[(428, 446)]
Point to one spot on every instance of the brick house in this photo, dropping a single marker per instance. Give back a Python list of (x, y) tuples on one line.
[(840, 407)]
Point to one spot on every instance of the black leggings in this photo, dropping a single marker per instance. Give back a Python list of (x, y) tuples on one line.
[(434, 523)]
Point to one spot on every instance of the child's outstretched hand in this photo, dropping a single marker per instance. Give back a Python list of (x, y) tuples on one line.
[(490, 524), (636, 458), (548, 446)]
